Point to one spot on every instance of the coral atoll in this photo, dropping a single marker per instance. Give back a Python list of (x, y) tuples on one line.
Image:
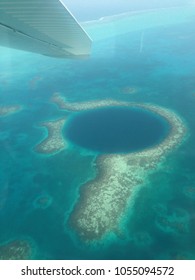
[(104, 199)]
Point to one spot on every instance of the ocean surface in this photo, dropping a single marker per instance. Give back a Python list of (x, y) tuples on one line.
[(145, 57)]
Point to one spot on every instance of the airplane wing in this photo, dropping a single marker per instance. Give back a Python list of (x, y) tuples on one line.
[(42, 26)]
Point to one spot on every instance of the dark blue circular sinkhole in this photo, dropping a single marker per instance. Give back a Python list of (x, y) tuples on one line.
[(116, 129)]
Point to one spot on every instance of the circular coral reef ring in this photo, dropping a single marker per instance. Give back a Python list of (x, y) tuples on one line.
[(104, 199), (17, 249)]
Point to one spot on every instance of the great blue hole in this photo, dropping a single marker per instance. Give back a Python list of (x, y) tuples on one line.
[(116, 129)]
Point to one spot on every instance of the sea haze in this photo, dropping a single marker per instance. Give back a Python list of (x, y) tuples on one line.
[(88, 10)]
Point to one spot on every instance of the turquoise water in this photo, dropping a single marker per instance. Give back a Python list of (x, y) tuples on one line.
[(116, 129), (156, 56)]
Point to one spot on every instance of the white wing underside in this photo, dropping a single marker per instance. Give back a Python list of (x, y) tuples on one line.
[(42, 26)]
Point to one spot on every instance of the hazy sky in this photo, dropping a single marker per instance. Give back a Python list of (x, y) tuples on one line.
[(94, 9)]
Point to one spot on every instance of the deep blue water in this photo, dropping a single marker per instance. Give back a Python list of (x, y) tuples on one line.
[(116, 129), (158, 60)]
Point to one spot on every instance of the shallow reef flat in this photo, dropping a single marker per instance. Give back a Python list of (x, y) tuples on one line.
[(104, 199), (54, 141), (16, 250), (9, 109), (62, 104)]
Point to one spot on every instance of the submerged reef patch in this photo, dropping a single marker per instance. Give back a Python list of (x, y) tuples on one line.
[(189, 191), (142, 239), (177, 255), (104, 199), (9, 109), (175, 222), (16, 250), (54, 141), (43, 201), (129, 90)]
